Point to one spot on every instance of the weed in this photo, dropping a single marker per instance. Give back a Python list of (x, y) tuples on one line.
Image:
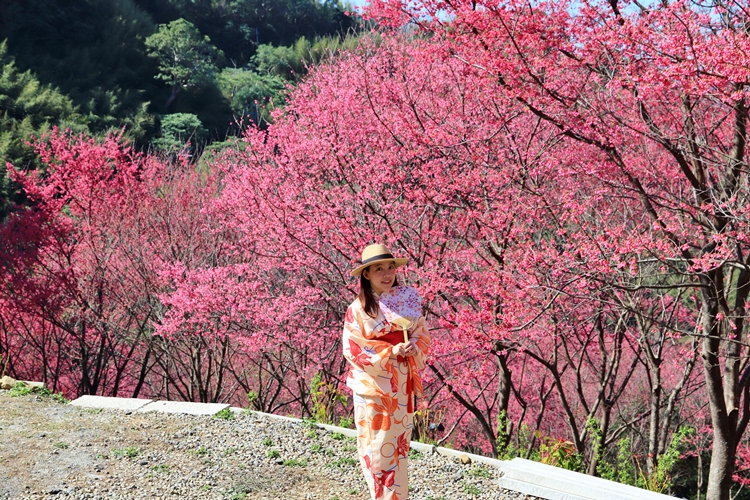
[(343, 462), (414, 454), (129, 452), (93, 411), (206, 487), (238, 495), (346, 422), (229, 451), (353, 491), (21, 389), (273, 454), (62, 446), (161, 468), (267, 442), (316, 447), (311, 434), (58, 396), (309, 423), (225, 414), (337, 436), (293, 462), (202, 451), (325, 397), (252, 398), (478, 472), (471, 489), (349, 448)]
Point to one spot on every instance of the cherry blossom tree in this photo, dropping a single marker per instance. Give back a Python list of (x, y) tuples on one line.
[(654, 97)]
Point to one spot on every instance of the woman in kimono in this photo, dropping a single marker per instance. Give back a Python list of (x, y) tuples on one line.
[(384, 375)]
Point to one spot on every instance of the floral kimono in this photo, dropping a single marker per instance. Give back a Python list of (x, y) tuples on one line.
[(384, 388)]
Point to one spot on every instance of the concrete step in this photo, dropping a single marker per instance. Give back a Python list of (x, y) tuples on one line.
[(553, 483)]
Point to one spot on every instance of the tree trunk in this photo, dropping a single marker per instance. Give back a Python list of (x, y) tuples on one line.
[(722, 420)]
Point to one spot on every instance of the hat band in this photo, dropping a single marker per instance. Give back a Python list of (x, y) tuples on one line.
[(382, 256)]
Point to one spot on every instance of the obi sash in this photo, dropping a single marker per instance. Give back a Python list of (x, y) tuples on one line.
[(397, 337), (393, 338)]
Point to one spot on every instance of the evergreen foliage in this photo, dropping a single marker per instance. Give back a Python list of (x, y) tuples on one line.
[(178, 130), (100, 65), (92, 50), (28, 109), (238, 27), (186, 59)]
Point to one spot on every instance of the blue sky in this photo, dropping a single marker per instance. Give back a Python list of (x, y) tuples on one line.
[(355, 3)]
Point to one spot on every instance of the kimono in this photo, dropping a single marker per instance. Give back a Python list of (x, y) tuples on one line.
[(384, 387)]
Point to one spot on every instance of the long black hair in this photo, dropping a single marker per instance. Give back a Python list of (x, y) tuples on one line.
[(367, 295)]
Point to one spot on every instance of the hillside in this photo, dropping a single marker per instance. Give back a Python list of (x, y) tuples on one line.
[(53, 450)]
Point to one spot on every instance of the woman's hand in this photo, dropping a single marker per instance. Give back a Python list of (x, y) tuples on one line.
[(404, 349)]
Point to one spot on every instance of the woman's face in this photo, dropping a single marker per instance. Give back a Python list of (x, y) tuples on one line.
[(381, 276)]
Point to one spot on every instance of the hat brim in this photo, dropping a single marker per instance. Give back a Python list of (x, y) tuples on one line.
[(358, 270)]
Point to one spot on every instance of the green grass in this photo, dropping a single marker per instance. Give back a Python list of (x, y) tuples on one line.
[(129, 452), (293, 462)]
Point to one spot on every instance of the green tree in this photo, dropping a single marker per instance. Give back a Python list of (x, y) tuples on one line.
[(27, 109), (186, 58), (250, 94), (179, 129)]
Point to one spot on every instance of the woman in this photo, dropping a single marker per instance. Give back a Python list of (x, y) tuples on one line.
[(384, 376)]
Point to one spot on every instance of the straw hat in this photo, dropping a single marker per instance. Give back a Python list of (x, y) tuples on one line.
[(374, 254)]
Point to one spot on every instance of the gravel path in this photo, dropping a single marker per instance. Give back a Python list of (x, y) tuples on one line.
[(51, 450)]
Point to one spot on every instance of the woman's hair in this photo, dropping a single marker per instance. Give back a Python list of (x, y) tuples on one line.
[(367, 295)]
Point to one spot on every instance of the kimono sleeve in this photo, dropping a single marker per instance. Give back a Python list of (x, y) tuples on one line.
[(422, 340), (366, 355)]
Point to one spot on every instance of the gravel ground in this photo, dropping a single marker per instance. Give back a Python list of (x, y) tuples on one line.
[(52, 450)]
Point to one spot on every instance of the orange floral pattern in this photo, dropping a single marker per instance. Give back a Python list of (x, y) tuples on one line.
[(384, 388)]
